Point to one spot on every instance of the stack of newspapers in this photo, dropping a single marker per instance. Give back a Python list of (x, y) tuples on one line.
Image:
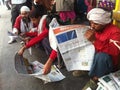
[(109, 82)]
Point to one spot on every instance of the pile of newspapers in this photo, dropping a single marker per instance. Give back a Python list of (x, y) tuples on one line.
[(109, 82)]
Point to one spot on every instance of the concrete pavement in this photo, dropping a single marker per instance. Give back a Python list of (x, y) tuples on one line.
[(11, 80)]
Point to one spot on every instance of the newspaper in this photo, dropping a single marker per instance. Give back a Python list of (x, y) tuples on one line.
[(116, 77), (110, 81), (35, 69), (101, 86), (76, 50), (54, 75)]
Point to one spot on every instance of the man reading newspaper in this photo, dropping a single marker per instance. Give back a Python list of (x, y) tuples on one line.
[(102, 34)]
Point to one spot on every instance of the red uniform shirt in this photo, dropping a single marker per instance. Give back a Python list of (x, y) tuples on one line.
[(102, 42)]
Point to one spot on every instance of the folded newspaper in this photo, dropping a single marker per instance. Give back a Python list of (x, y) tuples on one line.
[(110, 81), (35, 69)]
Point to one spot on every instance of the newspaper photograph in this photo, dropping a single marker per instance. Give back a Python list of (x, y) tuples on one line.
[(76, 50), (35, 69)]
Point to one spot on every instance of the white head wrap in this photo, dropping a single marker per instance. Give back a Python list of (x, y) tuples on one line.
[(100, 16), (24, 8)]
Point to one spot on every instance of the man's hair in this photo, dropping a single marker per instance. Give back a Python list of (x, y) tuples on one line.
[(35, 14)]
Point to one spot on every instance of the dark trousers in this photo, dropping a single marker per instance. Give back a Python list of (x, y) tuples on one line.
[(8, 4), (15, 11), (45, 43), (102, 65)]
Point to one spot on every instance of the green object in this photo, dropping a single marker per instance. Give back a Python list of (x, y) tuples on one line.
[(90, 84), (78, 73)]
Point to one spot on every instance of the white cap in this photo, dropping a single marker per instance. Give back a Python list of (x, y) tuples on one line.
[(99, 15), (24, 8)]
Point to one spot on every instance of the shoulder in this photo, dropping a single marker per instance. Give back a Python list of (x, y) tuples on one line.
[(19, 17), (113, 28)]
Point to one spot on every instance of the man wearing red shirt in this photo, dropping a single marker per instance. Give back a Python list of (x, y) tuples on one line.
[(102, 34), (43, 30), (22, 24)]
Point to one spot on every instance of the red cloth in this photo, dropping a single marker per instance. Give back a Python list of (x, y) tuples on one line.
[(38, 38), (31, 34), (18, 22), (102, 42), (53, 55)]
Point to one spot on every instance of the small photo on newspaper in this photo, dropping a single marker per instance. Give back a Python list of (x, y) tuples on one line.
[(35, 69)]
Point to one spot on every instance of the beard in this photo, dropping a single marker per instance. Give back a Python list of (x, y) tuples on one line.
[(26, 19)]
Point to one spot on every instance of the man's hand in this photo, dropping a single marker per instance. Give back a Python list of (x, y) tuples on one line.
[(47, 66), (21, 51), (90, 35), (27, 39)]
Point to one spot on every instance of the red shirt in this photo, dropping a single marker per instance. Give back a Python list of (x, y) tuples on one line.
[(17, 22), (53, 55), (102, 42), (38, 38)]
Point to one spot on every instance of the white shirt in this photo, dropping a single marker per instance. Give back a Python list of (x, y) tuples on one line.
[(18, 1)]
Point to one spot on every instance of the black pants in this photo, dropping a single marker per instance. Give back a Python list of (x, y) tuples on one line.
[(8, 4), (46, 45), (15, 12)]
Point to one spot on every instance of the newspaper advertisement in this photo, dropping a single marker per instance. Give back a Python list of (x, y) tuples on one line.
[(76, 50), (35, 69)]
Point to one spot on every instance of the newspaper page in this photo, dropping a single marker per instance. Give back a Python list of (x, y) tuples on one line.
[(101, 86), (108, 83), (54, 75), (76, 50), (35, 69), (116, 76)]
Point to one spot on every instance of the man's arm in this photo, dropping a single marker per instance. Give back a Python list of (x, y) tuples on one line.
[(90, 35), (33, 41), (48, 64)]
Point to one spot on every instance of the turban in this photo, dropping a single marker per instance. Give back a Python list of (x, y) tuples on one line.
[(24, 8), (100, 16)]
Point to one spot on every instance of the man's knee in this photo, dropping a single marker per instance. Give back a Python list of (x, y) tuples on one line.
[(102, 56)]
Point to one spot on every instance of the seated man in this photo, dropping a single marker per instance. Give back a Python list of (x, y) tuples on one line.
[(102, 34), (42, 30), (22, 24)]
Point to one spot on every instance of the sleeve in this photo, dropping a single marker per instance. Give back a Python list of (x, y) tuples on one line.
[(53, 55), (17, 22), (109, 47), (31, 34), (37, 39), (112, 48)]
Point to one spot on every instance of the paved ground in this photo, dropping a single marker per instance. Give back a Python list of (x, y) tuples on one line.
[(11, 80)]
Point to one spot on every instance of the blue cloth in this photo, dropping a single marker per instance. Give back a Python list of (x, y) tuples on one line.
[(102, 65)]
